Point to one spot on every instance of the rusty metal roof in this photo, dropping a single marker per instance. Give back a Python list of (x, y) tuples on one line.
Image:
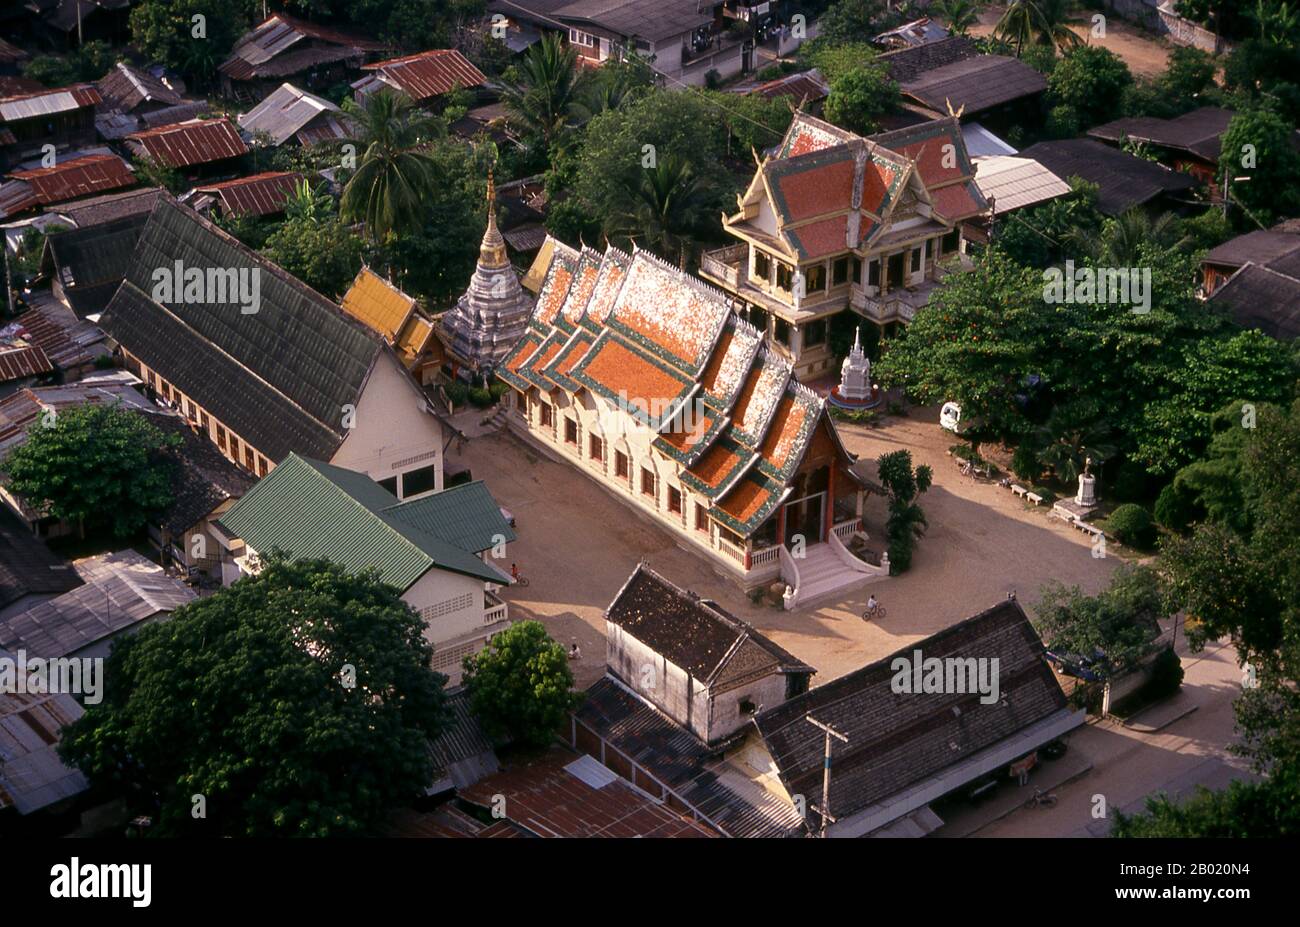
[(563, 794), (259, 195), (67, 180), (427, 74), (269, 49), (185, 144)]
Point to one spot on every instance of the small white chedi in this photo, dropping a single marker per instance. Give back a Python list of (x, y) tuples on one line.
[(855, 373)]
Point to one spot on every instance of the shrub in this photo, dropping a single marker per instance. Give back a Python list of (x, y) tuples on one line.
[(1166, 676), (457, 393), (1049, 497), (498, 389), (481, 397), (1176, 508), (1062, 122), (1133, 525), (713, 79), (1024, 463)]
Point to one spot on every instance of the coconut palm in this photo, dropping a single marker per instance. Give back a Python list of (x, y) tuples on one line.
[(1037, 22), (1122, 239), (665, 207), (395, 175), (546, 101), (960, 15)]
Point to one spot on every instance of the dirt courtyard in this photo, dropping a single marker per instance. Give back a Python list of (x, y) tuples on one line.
[(577, 544), (1145, 55)]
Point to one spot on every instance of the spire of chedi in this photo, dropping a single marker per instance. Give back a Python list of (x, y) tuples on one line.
[(492, 314)]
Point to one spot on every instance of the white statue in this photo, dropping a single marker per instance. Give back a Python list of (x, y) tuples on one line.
[(1087, 494)]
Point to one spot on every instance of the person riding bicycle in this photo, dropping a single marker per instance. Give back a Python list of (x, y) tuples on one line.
[(514, 572), (872, 604)]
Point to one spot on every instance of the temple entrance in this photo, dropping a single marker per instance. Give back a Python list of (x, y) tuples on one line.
[(806, 516)]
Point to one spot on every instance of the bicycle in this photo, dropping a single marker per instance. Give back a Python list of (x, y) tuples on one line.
[(875, 611), (519, 578), (1041, 799)]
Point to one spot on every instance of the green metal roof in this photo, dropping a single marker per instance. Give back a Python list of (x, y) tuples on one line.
[(310, 509), (466, 516)]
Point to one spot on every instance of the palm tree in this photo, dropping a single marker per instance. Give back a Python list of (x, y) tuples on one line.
[(665, 207), (1037, 22), (960, 15), (1066, 447), (395, 174), (546, 100), (1122, 239)]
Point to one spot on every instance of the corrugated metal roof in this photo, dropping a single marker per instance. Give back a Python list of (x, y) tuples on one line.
[(1014, 183), (185, 144), (121, 590), (125, 87), (262, 194), (31, 773), (287, 111), (464, 515), (48, 102), (428, 74), (19, 358), (312, 509), (558, 795), (66, 180), (27, 566), (263, 51)]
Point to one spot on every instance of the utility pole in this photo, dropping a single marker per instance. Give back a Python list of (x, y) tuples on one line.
[(830, 732)]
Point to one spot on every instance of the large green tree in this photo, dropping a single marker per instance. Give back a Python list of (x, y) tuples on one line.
[(299, 702), (192, 36), (1091, 80), (1037, 22), (1115, 628), (860, 97), (520, 686), (98, 466), (321, 252), (1260, 163)]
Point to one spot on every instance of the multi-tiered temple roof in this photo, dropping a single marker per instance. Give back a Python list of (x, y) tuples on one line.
[(665, 348)]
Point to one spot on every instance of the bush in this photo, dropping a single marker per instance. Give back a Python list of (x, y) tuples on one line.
[(1133, 525), (481, 397), (1062, 122), (1176, 508), (457, 393), (713, 79), (1024, 463), (1166, 676), (1049, 497), (900, 554), (498, 389)]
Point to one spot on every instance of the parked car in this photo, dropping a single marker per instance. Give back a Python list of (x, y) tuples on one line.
[(1073, 664)]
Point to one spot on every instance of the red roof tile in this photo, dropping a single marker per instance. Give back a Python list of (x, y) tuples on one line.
[(825, 188), (955, 202)]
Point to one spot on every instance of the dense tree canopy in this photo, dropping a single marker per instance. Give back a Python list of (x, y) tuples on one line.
[(97, 466), (296, 703), (1113, 629), (521, 686)]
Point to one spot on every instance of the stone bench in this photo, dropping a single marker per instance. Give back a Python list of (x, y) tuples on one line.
[(1018, 489), (1087, 528), (1034, 498)]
